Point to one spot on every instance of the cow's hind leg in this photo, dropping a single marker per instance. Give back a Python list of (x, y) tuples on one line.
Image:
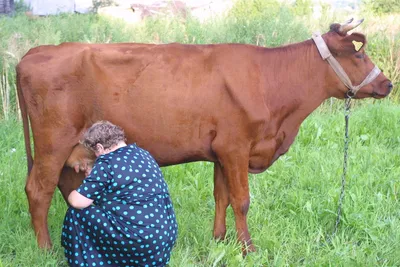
[(221, 202), (40, 187)]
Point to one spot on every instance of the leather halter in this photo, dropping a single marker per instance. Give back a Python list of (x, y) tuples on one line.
[(326, 55)]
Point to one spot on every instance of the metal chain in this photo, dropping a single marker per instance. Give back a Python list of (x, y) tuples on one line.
[(347, 106)]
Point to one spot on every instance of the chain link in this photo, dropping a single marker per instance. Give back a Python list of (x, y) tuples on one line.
[(347, 105)]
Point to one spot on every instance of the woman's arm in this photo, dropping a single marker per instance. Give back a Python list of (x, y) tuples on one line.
[(79, 201)]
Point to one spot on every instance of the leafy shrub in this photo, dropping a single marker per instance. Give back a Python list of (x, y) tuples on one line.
[(382, 6), (20, 6), (266, 23), (101, 3), (302, 7), (253, 9)]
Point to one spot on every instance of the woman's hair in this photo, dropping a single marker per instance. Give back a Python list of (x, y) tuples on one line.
[(104, 133)]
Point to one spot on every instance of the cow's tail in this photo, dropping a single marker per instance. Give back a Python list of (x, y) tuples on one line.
[(25, 122)]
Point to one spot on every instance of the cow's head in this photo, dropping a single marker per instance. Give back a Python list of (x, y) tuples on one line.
[(349, 51)]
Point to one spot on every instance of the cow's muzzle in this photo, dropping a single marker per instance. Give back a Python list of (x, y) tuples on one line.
[(380, 95), (390, 87)]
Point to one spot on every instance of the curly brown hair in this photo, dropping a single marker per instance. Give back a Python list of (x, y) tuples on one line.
[(104, 133)]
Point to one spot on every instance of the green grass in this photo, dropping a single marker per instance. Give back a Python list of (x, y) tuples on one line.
[(293, 204)]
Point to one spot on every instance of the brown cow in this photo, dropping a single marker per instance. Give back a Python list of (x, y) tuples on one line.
[(239, 106)]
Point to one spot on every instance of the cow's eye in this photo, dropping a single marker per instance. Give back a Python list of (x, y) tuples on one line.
[(360, 55)]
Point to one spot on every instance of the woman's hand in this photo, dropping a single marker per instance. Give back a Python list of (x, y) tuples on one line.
[(79, 201), (88, 170)]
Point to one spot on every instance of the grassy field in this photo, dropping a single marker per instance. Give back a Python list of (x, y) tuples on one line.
[(293, 204)]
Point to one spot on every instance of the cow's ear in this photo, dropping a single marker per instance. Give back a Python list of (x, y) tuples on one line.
[(354, 42)]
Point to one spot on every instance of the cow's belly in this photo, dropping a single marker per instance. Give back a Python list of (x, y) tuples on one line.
[(169, 142)]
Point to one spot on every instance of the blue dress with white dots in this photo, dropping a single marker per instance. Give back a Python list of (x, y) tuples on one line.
[(132, 221)]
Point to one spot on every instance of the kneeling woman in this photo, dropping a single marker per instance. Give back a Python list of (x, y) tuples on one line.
[(122, 214)]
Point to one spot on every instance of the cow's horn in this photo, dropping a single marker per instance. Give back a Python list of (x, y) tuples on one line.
[(349, 21), (349, 25)]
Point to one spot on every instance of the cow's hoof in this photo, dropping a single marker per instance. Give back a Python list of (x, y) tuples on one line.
[(46, 245), (248, 248), (219, 236)]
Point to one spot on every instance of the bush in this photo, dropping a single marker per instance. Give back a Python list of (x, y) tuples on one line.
[(101, 3), (382, 6), (302, 7), (265, 23)]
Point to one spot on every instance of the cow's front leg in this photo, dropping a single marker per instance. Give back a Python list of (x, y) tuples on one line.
[(238, 186), (235, 169), (221, 196)]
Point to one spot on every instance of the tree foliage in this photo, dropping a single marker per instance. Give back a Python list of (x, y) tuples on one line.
[(382, 6)]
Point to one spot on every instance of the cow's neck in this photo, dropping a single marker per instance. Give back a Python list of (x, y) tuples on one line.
[(295, 85), (298, 76)]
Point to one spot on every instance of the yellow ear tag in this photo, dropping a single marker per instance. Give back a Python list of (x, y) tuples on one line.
[(357, 45)]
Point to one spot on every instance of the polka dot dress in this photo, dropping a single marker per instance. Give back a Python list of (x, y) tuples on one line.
[(132, 221)]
